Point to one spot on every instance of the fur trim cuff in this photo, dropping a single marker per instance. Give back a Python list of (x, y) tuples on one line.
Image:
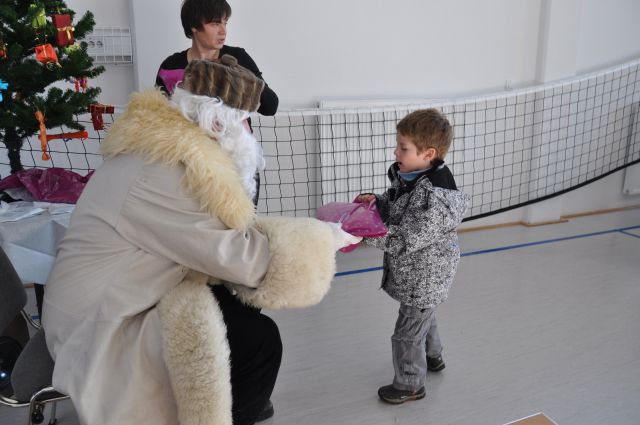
[(196, 353), (302, 264)]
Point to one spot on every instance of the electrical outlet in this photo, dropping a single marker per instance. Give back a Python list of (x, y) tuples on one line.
[(110, 45)]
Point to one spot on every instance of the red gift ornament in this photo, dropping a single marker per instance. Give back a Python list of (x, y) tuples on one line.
[(80, 83), (45, 54), (3, 50), (64, 29), (97, 109)]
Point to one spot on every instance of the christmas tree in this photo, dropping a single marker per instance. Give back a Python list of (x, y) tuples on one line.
[(39, 47)]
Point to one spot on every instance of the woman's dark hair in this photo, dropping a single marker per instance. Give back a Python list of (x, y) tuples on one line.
[(196, 13)]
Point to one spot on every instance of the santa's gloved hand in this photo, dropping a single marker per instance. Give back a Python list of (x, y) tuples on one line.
[(341, 238)]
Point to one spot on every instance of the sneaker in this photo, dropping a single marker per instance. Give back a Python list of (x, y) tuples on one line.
[(435, 364), (392, 395), (266, 413)]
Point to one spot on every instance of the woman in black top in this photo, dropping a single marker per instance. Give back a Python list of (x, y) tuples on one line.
[(205, 23)]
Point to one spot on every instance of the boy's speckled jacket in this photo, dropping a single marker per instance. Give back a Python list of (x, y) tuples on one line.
[(421, 252)]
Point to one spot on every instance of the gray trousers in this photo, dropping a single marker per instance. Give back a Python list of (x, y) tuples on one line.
[(415, 337)]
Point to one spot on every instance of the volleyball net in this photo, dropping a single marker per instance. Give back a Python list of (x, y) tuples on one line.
[(509, 149)]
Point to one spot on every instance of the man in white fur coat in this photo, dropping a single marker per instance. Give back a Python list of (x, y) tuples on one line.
[(130, 320)]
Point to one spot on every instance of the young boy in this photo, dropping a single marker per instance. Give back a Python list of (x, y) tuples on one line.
[(421, 209)]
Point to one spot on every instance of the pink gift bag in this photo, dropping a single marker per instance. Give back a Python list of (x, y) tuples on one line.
[(359, 219)]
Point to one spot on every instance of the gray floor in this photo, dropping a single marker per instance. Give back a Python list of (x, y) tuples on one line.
[(540, 319)]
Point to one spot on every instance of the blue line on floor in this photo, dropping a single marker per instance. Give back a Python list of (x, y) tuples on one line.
[(509, 247), (524, 245), (372, 269), (630, 234)]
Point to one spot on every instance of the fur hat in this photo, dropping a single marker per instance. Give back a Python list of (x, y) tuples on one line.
[(235, 85)]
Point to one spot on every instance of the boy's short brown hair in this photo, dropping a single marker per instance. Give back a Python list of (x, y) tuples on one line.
[(427, 128), (196, 13)]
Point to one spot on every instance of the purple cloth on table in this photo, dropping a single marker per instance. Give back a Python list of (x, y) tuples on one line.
[(48, 184)]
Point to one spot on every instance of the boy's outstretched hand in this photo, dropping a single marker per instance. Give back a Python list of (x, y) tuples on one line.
[(365, 198)]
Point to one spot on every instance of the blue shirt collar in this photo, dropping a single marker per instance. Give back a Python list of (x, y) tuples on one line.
[(408, 177)]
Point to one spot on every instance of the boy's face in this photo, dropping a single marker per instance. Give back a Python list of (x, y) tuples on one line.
[(407, 155)]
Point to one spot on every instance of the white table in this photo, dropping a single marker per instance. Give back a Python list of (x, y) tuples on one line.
[(31, 244)]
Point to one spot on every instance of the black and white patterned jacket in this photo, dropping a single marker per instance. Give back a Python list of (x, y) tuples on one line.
[(421, 252)]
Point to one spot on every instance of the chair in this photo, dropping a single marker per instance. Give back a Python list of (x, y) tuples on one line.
[(30, 374)]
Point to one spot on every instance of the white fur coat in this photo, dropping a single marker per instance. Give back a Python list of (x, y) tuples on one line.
[(135, 333)]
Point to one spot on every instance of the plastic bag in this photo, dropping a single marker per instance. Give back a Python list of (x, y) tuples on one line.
[(359, 219), (48, 184)]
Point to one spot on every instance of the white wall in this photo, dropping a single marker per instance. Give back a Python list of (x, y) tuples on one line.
[(117, 81), (157, 33), (609, 33), (346, 49), (363, 49), (370, 49), (577, 36)]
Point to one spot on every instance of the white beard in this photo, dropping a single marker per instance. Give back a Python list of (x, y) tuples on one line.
[(225, 125), (246, 153)]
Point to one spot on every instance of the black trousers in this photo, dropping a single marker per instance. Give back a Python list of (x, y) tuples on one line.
[(256, 352)]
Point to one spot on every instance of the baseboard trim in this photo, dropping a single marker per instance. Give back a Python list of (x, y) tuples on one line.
[(489, 227), (597, 212), (544, 223), (563, 219)]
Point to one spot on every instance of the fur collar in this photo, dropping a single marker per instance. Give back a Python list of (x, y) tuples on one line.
[(152, 128)]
